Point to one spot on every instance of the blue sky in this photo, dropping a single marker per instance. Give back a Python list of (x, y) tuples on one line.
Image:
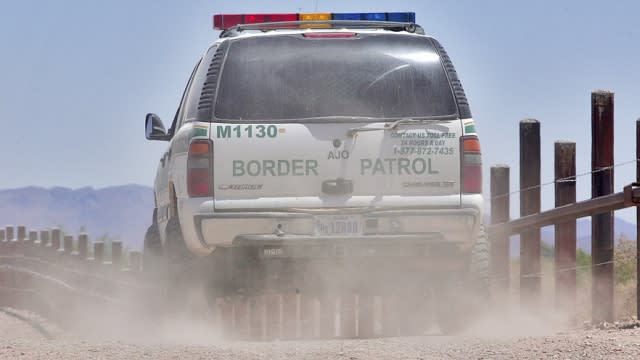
[(79, 76)]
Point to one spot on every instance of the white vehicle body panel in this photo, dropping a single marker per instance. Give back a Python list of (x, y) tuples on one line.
[(288, 169), (273, 181)]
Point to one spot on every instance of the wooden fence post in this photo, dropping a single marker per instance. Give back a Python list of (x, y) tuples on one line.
[(500, 257), (638, 222), (602, 224), (530, 247), (565, 240)]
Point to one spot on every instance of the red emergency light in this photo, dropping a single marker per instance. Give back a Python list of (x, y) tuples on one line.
[(223, 22)]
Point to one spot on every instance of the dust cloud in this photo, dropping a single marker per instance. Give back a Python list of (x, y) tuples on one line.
[(393, 296)]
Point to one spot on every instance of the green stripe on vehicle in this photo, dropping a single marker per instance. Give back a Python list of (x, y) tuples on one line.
[(200, 132)]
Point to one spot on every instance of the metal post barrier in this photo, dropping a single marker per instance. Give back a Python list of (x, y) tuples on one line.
[(3, 276), (55, 241), (347, 315), (21, 236), (83, 246), (11, 240), (10, 279), (33, 245), (499, 214), (602, 224), (290, 315), (9, 232), (22, 232), (2, 241), (116, 255), (68, 246), (530, 247), (98, 253), (565, 240), (637, 222), (44, 239)]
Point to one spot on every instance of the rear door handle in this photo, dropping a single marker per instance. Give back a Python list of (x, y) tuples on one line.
[(338, 186)]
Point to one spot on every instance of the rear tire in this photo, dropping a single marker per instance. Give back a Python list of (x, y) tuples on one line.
[(176, 249), (185, 271), (153, 251), (461, 300)]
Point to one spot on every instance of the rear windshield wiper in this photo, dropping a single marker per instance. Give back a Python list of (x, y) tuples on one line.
[(390, 125)]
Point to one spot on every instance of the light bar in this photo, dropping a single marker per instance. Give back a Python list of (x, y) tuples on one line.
[(226, 21), (315, 17)]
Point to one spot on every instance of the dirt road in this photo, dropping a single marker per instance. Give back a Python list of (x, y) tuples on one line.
[(19, 340)]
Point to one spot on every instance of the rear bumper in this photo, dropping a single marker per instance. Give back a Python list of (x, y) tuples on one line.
[(303, 246), (415, 232)]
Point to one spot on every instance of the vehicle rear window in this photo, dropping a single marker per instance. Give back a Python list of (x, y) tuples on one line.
[(371, 76)]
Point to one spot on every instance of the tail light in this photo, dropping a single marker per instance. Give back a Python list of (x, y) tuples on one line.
[(199, 168), (471, 165)]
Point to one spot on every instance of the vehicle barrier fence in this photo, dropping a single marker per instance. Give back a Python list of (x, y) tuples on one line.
[(54, 275), (600, 207)]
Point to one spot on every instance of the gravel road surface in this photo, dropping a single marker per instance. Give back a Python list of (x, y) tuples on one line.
[(19, 340)]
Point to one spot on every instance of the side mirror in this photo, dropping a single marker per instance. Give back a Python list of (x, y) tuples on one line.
[(153, 128)]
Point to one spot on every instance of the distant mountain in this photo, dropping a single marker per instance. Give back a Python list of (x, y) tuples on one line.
[(119, 212)]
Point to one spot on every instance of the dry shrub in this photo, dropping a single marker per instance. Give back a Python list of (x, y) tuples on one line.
[(625, 275), (625, 280)]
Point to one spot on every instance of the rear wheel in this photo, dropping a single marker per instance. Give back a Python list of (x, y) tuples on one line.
[(461, 299), (176, 248), (180, 263), (153, 252)]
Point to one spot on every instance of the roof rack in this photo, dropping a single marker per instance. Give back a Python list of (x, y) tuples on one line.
[(335, 24)]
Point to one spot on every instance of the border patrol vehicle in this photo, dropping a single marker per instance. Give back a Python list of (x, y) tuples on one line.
[(323, 153)]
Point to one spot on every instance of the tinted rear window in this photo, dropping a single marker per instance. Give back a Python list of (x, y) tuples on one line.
[(291, 77)]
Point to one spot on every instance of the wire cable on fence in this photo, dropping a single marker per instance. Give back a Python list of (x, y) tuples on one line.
[(565, 179), (555, 271)]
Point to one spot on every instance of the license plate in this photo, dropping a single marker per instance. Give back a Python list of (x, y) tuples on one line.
[(338, 225)]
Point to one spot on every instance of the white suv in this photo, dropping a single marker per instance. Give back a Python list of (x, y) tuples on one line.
[(339, 141)]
